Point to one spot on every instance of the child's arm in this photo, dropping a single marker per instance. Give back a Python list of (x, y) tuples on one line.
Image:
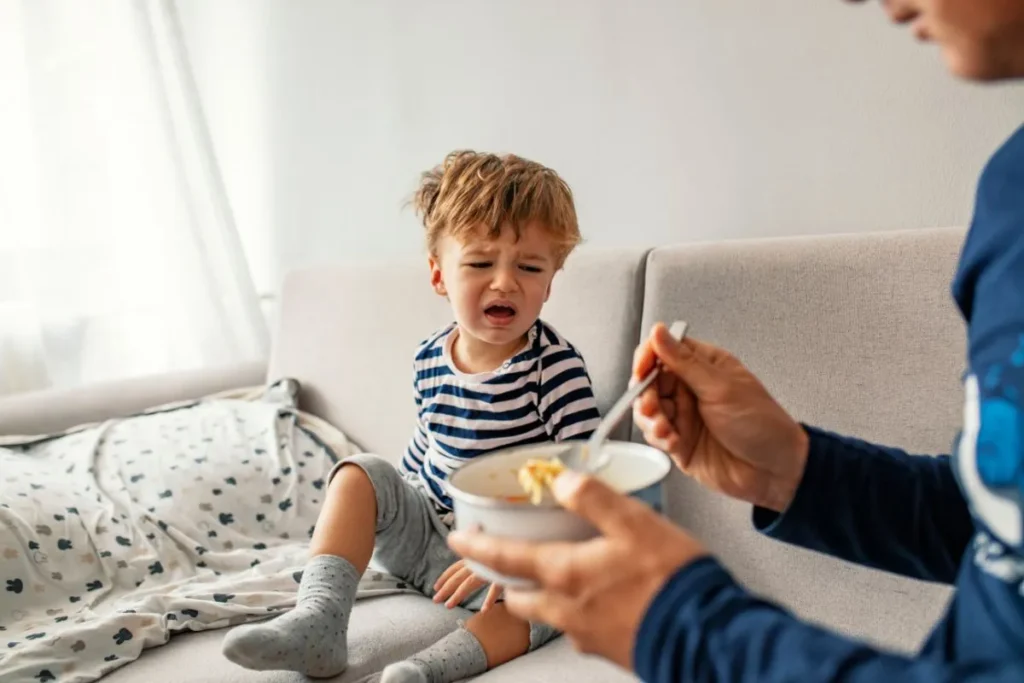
[(567, 404)]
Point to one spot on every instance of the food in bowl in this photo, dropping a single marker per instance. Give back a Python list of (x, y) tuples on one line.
[(536, 477), (488, 496)]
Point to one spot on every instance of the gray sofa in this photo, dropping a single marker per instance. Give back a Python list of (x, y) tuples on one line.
[(853, 333)]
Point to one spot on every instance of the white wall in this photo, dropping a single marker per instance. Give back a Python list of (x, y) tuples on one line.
[(673, 120)]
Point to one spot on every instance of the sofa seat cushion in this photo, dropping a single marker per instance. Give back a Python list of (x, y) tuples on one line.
[(382, 630)]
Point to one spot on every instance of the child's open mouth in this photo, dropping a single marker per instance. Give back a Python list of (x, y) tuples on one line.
[(500, 314)]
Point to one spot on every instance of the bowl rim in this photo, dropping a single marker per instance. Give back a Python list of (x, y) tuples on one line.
[(490, 502)]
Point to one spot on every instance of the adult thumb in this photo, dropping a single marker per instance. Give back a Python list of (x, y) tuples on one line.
[(684, 361), (611, 512)]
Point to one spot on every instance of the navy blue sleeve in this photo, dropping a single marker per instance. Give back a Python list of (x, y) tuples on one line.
[(704, 627), (878, 507)]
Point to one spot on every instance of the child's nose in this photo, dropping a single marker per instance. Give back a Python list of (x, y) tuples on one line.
[(504, 280)]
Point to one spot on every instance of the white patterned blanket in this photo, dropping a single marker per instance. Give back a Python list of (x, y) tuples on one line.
[(114, 537)]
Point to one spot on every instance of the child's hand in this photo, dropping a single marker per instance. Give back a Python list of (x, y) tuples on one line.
[(459, 582)]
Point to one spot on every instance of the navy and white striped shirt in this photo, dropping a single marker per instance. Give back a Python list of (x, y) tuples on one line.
[(541, 394)]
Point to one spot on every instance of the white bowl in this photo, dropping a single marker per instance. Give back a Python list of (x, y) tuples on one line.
[(486, 489)]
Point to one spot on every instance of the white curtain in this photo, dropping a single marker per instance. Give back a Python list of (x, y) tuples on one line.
[(118, 252)]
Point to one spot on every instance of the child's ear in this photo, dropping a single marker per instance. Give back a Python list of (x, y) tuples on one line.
[(436, 279)]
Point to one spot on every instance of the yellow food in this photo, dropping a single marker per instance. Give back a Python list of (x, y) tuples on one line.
[(537, 475)]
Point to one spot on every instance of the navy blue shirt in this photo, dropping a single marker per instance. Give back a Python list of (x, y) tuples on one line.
[(953, 519)]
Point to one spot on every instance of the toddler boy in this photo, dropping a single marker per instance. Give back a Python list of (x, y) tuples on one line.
[(498, 228)]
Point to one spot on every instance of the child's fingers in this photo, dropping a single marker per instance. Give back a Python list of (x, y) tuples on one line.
[(452, 584), (469, 586), (493, 593), (446, 589), (447, 574)]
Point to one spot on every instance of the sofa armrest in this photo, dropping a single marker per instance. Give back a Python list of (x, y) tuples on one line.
[(49, 411)]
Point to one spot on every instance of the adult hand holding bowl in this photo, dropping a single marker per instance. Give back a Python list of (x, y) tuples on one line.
[(489, 498), (597, 590)]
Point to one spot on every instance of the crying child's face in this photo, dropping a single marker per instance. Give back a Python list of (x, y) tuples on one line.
[(497, 287)]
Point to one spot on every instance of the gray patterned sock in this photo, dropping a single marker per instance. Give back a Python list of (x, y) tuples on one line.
[(457, 656), (311, 638)]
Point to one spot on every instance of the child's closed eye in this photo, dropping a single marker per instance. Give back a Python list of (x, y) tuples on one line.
[(480, 264), (531, 269)]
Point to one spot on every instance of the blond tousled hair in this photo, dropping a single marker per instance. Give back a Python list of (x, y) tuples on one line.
[(470, 189)]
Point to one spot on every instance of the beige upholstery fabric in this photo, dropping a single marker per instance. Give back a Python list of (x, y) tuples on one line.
[(382, 630), (857, 334), (46, 412), (372, 632), (348, 334)]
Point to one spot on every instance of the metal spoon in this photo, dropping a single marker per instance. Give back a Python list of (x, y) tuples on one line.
[(591, 458)]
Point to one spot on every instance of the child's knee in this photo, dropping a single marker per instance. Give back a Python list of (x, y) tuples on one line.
[(374, 477), (348, 480)]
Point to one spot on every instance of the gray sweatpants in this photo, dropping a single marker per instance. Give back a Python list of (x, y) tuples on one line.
[(411, 538)]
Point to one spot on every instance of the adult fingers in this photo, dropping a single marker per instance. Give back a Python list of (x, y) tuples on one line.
[(661, 428), (686, 360), (611, 512), (648, 404), (643, 360)]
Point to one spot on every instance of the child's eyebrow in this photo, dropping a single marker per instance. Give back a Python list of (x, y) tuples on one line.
[(534, 257), (477, 251)]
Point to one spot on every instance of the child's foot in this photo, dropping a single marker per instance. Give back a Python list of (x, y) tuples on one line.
[(457, 656), (311, 638)]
